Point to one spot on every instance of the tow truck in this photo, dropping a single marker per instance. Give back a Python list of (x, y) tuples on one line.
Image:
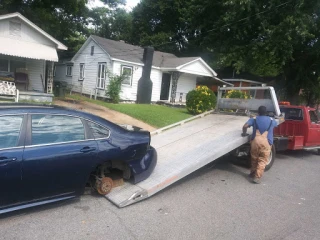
[(186, 146), (301, 129)]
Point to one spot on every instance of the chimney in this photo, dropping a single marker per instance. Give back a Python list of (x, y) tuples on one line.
[(145, 84)]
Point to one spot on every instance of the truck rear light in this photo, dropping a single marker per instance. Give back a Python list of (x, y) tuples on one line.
[(284, 103)]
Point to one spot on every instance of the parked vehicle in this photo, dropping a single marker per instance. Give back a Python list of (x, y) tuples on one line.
[(50, 153), (301, 129)]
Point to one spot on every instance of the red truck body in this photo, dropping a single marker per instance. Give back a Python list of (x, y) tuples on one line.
[(301, 127)]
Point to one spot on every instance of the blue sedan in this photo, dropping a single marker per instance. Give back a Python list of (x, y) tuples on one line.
[(50, 153)]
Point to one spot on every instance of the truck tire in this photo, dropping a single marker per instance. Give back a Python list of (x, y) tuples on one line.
[(271, 158)]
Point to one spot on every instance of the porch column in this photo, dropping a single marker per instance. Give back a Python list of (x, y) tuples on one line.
[(175, 77), (50, 77)]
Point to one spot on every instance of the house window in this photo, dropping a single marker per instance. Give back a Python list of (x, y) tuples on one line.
[(69, 70), (92, 50), (81, 76), (54, 70), (127, 71), (15, 29), (101, 75)]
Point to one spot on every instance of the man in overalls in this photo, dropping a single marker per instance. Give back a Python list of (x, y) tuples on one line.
[(261, 142)]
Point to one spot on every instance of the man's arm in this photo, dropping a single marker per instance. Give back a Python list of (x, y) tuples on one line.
[(244, 130)]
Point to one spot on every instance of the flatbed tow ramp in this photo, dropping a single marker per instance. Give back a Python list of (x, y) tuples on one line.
[(183, 150)]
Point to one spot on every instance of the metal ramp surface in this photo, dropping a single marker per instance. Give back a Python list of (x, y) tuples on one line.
[(181, 151)]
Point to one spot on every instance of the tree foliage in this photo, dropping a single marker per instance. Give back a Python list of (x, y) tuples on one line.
[(264, 38)]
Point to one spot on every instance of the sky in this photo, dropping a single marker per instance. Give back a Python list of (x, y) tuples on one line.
[(97, 3)]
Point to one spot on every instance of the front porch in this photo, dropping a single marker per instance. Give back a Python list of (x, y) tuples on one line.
[(176, 85), (33, 96), (26, 79), (183, 75)]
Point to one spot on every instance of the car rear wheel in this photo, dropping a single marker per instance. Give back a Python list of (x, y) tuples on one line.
[(104, 185)]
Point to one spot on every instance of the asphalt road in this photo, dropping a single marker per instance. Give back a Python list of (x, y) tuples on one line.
[(216, 202)]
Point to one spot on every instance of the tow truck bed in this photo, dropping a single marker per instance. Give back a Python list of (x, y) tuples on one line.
[(181, 151)]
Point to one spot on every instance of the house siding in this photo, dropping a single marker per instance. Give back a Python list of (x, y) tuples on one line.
[(186, 83), (88, 85), (28, 34), (196, 68), (156, 77), (129, 93)]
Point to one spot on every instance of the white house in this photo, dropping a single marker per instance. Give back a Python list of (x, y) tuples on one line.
[(27, 54), (86, 72)]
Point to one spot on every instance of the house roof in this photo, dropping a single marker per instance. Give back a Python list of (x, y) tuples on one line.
[(121, 51), (127, 52), (176, 62), (32, 25)]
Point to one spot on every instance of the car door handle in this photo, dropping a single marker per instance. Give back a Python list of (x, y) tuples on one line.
[(87, 149), (4, 160)]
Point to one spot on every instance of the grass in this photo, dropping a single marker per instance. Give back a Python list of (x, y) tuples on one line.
[(155, 115)]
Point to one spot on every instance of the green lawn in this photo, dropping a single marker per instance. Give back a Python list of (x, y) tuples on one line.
[(155, 115)]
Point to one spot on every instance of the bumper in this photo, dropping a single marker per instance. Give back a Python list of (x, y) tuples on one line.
[(142, 168)]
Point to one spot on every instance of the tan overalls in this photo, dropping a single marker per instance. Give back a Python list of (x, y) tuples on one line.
[(260, 152)]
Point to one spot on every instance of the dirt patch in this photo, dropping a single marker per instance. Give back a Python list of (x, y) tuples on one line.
[(106, 113)]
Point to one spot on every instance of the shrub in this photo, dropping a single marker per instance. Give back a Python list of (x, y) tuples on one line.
[(200, 100), (237, 94), (114, 88)]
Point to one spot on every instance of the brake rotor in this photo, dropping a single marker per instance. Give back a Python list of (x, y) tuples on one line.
[(104, 186)]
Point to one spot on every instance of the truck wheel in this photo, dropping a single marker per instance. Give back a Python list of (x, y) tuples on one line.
[(271, 158)]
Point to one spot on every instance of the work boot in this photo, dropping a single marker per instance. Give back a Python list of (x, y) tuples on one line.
[(251, 175), (256, 180)]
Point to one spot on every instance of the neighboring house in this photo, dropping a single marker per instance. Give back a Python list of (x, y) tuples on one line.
[(27, 54), (172, 77)]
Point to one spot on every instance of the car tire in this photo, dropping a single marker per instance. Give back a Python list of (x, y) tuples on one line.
[(271, 158)]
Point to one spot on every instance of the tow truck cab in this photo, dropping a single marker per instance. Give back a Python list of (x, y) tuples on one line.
[(301, 129)]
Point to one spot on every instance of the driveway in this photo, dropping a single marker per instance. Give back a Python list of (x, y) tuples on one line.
[(106, 113)]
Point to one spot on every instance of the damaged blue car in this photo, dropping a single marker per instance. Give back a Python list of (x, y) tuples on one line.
[(51, 153)]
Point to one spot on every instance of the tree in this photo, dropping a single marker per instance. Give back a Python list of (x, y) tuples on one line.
[(158, 22), (264, 38)]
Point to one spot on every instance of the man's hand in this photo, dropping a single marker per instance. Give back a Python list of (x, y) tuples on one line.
[(244, 134)]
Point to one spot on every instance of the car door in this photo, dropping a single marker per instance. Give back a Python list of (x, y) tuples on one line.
[(314, 130), (58, 157), (11, 152)]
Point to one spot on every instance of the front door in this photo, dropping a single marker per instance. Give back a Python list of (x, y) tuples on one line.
[(58, 158), (314, 130), (11, 151), (165, 86)]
